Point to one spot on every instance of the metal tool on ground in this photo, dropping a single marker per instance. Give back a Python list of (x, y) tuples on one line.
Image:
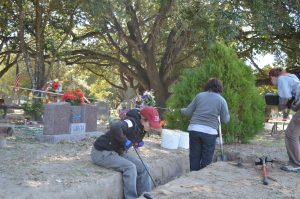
[(290, 168), (263, 161), (147, 196), (223, 156), (144, 166)]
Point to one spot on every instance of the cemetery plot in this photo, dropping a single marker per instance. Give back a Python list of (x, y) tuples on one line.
[(41, 170)]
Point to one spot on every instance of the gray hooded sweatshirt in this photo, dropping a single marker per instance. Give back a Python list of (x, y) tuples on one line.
[(205, 109)]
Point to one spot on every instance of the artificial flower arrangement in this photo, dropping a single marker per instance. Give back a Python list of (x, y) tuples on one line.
[(122, 113), (54, 86), (148, 99), (75, 97)]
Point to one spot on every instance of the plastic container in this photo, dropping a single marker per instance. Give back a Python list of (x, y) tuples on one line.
[(184, 141), (272, 99), (170, 139)]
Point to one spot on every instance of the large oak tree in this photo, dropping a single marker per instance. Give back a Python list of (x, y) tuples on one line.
[(146, 41)]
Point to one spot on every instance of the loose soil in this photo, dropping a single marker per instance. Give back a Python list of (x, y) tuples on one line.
[(239, 178), (28, 168)]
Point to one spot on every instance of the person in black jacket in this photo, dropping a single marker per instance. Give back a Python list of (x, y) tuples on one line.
[(110, 149)]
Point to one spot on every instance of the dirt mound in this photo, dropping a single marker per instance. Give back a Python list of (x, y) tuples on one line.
[(225, 180), (240, 177)]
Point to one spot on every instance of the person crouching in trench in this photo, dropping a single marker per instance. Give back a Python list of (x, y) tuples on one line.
[(110, 149)]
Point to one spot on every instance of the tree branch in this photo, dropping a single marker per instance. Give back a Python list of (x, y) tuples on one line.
[(160, 17), (105, 78)]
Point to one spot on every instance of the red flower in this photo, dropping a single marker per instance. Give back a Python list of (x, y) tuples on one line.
[(55, 85), (74, 97)]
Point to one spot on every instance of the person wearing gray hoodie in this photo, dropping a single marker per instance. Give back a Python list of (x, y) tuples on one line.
[(205, 110)]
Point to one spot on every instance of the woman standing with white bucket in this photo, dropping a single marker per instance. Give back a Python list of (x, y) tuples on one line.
[(204, 111)]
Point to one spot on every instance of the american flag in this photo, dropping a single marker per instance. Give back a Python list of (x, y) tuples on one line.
[(17, 79)]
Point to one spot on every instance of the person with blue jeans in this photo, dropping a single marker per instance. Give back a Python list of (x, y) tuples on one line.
[(111, 149), (205, 110)]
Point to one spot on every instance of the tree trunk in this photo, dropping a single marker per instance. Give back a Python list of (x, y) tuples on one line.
[(160, 91), (23, 44), (40, 42)]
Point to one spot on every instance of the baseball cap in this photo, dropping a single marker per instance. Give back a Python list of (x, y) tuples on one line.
[(151, 114)]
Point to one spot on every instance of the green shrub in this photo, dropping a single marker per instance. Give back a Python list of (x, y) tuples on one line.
[(246, 105), (33, 109)]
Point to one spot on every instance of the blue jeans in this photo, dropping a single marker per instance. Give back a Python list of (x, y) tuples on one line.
[(135, 177), (202, 147)]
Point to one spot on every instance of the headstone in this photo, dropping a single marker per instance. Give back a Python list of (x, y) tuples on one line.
[(129, 98), (103, 110), (57, 118), (129, 94), (89, 117), (8, 100), (5, 131), (63, 122), (77, 128), (76, 114)]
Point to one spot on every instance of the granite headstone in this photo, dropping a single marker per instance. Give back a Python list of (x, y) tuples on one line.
[(103, 110), (89, 117), (57, 118)]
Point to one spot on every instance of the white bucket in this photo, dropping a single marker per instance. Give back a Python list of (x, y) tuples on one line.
[(170, 139), (184, 141)]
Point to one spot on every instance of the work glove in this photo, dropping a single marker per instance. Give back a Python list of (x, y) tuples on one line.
[(138, 144), (127, 144)]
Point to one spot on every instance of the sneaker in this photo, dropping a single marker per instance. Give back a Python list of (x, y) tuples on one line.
[(290, 168)]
